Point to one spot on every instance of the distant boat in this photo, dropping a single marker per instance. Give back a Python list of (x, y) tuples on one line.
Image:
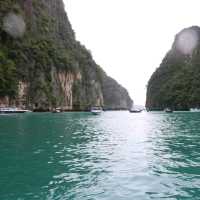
[(194, 109), (135, 111), (10, 110), (57, 110), (96, 110), (168, 110)]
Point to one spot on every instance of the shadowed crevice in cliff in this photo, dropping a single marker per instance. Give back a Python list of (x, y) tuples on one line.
[(42, 66)]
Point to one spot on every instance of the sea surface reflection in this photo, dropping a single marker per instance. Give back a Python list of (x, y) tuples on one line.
[(116, 155)]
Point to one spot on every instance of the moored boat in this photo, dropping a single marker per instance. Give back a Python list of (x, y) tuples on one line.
[(10, 110), (57, 110), (135, 111), (96, 110), (194, 109), (168, 110)]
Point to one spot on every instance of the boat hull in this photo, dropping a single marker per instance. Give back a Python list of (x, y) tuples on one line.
[(194, 110), (96, 112), (135, 111), (12, 110)]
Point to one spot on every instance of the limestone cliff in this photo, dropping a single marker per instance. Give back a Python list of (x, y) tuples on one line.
[(42, 66), (176, 82)]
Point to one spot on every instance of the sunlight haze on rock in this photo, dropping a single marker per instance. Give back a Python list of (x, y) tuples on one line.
[(187, 41), (14, 25)]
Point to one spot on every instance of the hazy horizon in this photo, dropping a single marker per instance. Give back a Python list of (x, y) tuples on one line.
[(129, 39)]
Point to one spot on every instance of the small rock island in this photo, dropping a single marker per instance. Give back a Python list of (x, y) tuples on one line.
[(43, 66)]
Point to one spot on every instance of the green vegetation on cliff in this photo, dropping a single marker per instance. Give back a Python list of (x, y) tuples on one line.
[(39, 53), (176, 82), (8, 81)]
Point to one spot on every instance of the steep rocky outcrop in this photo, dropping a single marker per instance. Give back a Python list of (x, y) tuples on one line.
[(42, 66), (176, 83), (114, 94)]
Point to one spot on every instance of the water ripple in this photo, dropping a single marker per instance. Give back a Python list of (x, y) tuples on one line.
[(117, 155)]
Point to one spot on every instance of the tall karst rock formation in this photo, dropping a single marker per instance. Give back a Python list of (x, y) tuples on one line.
[(176, 83), (42, 66)]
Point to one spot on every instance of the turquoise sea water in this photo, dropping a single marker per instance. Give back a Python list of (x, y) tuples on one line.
[(114, 156)]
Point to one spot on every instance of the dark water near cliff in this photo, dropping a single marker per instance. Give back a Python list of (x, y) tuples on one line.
[(115, 156)]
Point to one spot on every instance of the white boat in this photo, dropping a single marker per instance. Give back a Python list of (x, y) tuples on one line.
[(136, 108), (57, 110), (10, 110), (96, 110), (168, 110), (194, 110), (135, 111)]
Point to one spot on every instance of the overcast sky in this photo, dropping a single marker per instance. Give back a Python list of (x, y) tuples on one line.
[(129, 38)]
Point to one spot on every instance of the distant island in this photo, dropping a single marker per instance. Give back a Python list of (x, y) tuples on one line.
[(176, 83), (42, 66)]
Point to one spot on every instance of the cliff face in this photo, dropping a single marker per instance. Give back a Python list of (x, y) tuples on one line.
[(176, 82), (114, 94), (42, 66)]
